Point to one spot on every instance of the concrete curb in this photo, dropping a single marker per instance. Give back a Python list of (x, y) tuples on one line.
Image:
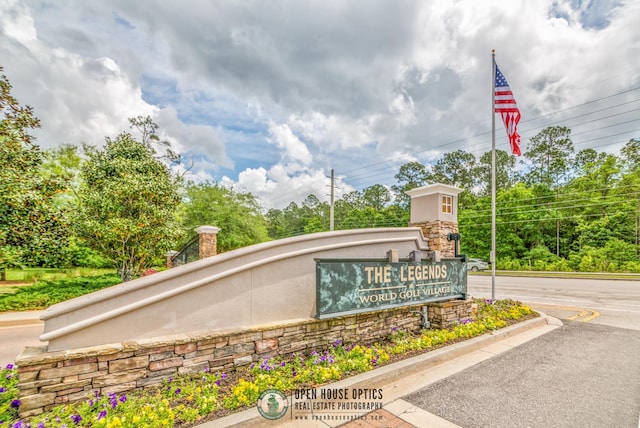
[(17, 319), (400, 370)]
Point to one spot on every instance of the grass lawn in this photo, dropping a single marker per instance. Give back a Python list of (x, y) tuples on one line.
[(37, 274)]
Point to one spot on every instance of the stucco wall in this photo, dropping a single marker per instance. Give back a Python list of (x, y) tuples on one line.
[(269, 282)]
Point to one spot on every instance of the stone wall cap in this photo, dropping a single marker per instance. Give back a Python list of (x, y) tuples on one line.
[(432, 189), (207, 229)]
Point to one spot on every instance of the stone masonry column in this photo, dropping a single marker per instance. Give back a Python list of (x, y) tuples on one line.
[(208, 241), (434, 209), (169, 258)]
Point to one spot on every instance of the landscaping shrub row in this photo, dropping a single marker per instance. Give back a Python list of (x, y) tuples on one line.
[(45, 293)]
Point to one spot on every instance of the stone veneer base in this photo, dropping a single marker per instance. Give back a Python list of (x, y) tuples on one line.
[(48, 379)]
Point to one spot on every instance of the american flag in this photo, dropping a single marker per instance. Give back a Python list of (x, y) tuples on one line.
[(505, 104)]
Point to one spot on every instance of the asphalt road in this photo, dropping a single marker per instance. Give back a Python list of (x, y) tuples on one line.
[(583, 374), (579, 375), (614, 303)]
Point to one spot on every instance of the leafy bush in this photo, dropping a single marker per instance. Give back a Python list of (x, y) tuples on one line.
[(509, 264), (83, 256), (633, 267)]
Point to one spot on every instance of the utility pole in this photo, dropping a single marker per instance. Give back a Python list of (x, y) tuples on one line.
[(331, 206)]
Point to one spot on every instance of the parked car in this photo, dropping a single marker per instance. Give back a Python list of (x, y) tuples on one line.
[(477, 265)]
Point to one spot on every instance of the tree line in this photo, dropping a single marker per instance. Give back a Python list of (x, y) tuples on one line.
[(121, 204)]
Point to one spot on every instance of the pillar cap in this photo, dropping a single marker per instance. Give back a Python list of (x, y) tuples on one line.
[(207, 229), (433, 188)]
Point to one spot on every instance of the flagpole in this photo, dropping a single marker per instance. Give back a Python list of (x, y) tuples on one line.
[(492, 254)]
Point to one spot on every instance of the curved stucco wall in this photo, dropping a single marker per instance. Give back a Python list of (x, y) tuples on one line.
[(257, 285)]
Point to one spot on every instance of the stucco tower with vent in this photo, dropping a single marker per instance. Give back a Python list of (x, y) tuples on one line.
[(434, 209)]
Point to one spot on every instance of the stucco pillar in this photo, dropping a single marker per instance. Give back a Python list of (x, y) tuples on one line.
[(434, 209), (208, 241)]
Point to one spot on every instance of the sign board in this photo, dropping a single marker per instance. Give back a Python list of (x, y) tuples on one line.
[(351, 286)]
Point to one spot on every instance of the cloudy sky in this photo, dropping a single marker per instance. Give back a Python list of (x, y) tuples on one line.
[(269, 96)]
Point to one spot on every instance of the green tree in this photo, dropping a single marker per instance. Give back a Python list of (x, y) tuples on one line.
[(410, 176), (376, 197), (549, 156), (127, 203), (148, 130), (236, 214), (457, 168), (505, 175), (630, 155), (33, 231)]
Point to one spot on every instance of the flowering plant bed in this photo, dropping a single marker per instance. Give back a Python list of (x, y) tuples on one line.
[(189, 400)]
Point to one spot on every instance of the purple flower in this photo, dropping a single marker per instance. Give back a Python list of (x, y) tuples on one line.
[(17, 424), (123, 399), (9, 376), (102, 414), (15, 404), (283, 364), (9, 366), (207, 370), (113, 400), (224, 375), (41, 425), (337, 343), (218, 382), (76, 419), (178, 391), (2, 389)]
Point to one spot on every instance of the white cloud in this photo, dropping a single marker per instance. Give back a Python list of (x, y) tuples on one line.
[(271, 96), (293, 148), (332, 133)]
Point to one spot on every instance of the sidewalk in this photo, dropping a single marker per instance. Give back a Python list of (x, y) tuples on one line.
[(400, 379), (13, 319)]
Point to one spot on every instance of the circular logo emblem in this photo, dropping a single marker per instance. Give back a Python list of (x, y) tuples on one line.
[(272, 404)]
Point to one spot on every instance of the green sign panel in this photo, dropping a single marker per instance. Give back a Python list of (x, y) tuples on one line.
[(351, 286)]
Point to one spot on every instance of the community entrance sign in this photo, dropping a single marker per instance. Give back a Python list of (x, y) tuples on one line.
[(349, 286)]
